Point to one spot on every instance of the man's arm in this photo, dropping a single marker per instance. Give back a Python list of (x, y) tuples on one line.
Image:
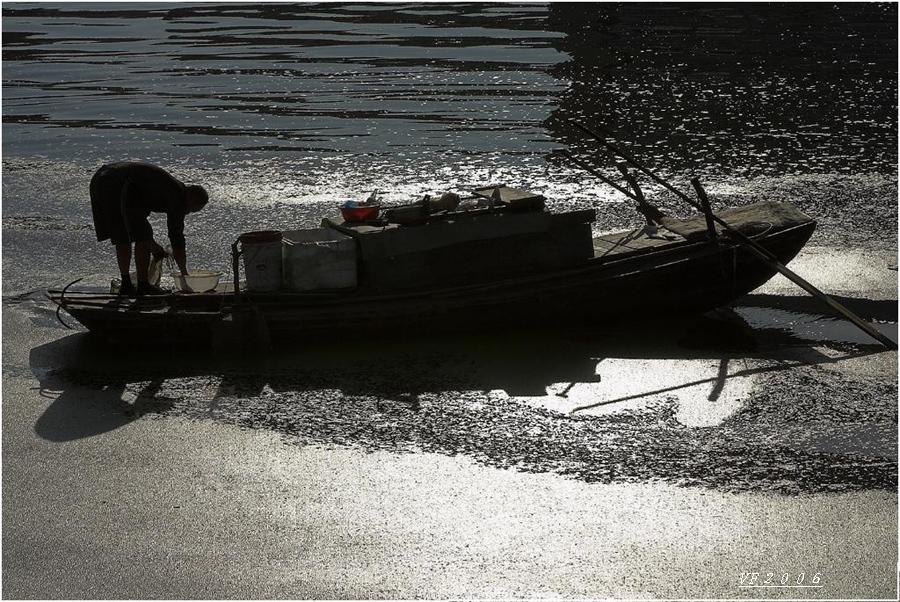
[(176, 237)]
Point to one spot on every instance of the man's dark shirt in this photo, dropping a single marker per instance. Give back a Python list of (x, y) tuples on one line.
[(146, 188)]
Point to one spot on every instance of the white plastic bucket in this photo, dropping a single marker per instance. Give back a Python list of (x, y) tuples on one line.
[(318, 259), (262, 260)]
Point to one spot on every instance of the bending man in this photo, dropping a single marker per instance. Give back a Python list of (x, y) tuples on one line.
[(122, 197)]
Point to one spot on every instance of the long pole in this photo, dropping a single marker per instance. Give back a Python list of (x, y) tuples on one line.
[(236, 270), (628, 157), (651, 212), (586, 167), (763, 254)]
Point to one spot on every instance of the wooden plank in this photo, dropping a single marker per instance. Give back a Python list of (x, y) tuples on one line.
[(780, 215), (629, 241)]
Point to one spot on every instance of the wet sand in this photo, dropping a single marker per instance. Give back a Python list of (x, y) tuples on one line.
[(448, 478)]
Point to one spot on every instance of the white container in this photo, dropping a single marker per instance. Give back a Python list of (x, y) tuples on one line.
[(197, 281), (262, 260), (317, 259)]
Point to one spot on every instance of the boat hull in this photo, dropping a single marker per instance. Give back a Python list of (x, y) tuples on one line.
[(683, 278)]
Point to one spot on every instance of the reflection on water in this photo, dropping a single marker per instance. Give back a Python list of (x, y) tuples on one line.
[(745, 89), (813, 327)]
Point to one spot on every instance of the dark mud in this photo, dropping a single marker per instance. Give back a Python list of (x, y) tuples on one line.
[(805, 427)]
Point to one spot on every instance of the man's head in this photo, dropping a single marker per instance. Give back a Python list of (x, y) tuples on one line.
[(196, 197)]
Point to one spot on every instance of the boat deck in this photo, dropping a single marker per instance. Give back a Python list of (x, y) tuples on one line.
[(631, 241), (751, 220)]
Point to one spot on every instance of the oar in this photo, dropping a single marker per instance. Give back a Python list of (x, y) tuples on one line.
[(643, 206), (763, 254), (587, 167)]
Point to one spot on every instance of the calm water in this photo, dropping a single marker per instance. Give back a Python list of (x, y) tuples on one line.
[(283, 110)]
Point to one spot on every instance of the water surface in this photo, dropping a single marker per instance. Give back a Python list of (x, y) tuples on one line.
[(285, 110)]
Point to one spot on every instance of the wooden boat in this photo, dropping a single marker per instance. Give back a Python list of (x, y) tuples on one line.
[(539, 269)]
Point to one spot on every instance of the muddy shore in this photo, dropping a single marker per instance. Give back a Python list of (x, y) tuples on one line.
[(477, 466)]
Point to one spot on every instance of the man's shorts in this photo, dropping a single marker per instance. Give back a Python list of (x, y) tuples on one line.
[(116, 218)]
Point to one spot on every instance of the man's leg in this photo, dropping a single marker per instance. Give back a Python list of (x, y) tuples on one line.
[(142, 260), (108, 224), (142, 252), (123, 257), (140, 231)]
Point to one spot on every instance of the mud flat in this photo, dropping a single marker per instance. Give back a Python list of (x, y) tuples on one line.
[(643, 461)]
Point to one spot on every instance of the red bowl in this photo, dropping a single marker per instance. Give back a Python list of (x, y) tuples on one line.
[(360, 214)]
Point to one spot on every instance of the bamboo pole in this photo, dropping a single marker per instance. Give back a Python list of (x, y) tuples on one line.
[(707, 209), (648, 210), (763, 254)]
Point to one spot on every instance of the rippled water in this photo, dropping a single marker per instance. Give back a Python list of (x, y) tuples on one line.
[(775, 88), (266, 81), (745, 88)]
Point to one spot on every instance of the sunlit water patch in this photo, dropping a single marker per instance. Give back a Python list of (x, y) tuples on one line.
[(706, 392), (813, 328)]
